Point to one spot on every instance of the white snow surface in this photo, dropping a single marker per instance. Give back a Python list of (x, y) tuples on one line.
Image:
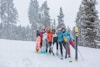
[(22, 54)]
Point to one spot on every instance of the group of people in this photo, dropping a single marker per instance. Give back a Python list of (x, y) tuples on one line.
[(47, 38)]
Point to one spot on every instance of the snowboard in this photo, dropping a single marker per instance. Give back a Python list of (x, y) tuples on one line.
[(37, 48)]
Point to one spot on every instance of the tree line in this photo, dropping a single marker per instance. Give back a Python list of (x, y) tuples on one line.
[(38, 17)]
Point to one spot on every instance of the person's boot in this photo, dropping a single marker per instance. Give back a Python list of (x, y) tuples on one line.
[(66, 56), (69, 56), (46, 50), (53, 53), (50, 50)]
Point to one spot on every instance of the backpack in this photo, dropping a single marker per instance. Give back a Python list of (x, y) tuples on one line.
[(65, 39)]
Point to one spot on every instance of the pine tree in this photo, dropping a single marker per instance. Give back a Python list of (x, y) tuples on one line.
[(34, 16), (9, 13), (60, 19), (0, 11), (87, 22), (45, 17), (54, 24), (9, 17), (79, 23), (68, 29)]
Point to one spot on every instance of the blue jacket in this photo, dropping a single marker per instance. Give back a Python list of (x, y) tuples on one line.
[(60, 36), (71, 37), (68, 36)]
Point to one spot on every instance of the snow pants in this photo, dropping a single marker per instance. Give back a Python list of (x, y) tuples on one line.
[(71, 42), (55, 42), (62, 44)]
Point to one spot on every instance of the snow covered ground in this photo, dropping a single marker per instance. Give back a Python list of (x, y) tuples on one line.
[(22, 54)]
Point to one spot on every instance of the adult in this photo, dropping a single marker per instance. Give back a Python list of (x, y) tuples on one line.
[(55, 40), (49, 39), (60, 41), (65, 41)]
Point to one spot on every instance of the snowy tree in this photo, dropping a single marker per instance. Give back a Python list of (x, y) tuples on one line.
[(0, 30), (0, 12), (54, 24), (79, 23), (45, 17), (8, 12), (23, 33), (9, 17), (68, 29), (87, 21), (60, 19), (34, 16), (98, 31)]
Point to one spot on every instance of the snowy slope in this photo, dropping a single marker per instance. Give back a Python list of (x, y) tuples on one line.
[(22, 54)]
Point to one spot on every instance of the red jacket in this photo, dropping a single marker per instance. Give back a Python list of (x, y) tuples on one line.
[(49, 36)]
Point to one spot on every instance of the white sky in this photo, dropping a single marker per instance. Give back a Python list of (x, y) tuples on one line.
[(70, 8)]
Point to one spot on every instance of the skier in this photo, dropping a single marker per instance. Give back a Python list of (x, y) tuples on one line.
[(60, 41), (55, 40), (44, 37), (49, 39), (38, 44), (65, 41), (69, 41), (72, 43)]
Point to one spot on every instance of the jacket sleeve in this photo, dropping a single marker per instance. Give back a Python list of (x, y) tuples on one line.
[(71, 37)]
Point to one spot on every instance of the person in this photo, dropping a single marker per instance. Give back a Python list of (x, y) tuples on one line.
[(38, 43), (49, 39), (44, 42), (65, 41), (55, 40), (69, 42), (41, 36), (60, 41), (37, 33), (72, 41)]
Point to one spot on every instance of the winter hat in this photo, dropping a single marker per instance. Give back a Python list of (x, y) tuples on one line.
[(63, 28)]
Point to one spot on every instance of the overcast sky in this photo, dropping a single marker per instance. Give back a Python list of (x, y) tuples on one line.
[(70, 8)]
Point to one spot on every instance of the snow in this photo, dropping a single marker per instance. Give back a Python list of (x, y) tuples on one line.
[(22, 54)]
